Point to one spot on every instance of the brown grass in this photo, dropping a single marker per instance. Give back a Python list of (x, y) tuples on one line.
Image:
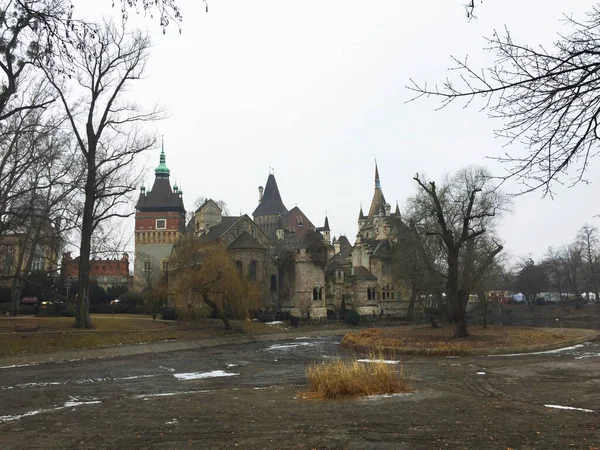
[(439, 342), (57, 334), (350, 379)]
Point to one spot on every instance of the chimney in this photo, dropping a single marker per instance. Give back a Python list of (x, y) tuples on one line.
[(260, 194)]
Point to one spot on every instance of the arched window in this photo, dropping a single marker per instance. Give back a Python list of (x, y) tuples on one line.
[(320, 293), (238, 266), (252, 232), (368, 293), (392, 295), (273, 283), (252, 271), (315, 294)]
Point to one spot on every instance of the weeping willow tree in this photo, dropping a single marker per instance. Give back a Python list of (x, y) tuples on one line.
[(202, 277)]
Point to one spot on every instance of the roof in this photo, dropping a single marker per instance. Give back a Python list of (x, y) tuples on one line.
[(377, 203), (362, 272), (270, 202), (160, 198), (296, 222), (344, 242), (334, 265), (245, 241), (216, 231)]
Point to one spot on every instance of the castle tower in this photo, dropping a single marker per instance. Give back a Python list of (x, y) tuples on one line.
[(325, 230), (159, 222), (378, 202), (270, 207)]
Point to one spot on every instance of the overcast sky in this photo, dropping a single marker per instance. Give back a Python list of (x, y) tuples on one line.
[(316, 90)]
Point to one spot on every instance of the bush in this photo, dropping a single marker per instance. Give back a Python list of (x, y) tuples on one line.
[(5, 308), (349, 379), (352, 317), (169, 314)]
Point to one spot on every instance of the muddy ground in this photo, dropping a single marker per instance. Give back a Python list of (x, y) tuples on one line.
[(159, 401)]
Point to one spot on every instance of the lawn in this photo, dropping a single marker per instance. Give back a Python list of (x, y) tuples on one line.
[(425, 340), (57, 333)]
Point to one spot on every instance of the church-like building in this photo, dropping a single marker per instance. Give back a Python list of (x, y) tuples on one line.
[(297, 266)]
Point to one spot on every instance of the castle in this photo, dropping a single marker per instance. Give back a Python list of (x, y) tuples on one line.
[(297, 265)]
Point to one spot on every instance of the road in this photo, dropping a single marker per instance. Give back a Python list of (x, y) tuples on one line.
[(245, 396)]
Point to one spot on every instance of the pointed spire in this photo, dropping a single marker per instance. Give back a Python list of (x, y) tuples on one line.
[(361, 216), (326, 226), (397, 212), (377, 183), (162, 171)]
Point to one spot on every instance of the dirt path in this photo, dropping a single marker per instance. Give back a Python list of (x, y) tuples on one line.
[(244, 396)]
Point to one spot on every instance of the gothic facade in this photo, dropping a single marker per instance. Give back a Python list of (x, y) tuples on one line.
[(298, 267)]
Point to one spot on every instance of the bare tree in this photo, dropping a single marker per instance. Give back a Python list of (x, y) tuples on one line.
[(457, 213), (107, 130), (588, 242), (548, 100)]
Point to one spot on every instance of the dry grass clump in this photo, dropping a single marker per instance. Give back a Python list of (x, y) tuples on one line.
[(350, 379), (427, 341)]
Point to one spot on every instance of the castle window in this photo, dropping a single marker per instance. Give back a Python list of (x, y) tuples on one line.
[(252, 232), (237, 231), (147, 266), (368, 293), (315, 295), (165, 265), (252, 271), (273, 283), (320, 293), (238, 266), (161, 224), (392, 295)]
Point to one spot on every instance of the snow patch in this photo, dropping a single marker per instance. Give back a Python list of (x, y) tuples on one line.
[(480, 373), (172, 421), (570, 408), (168, 394), (376, 397), (275, 322), (199, 375), (547, 352), (18, 365), (72, 403), (289, 346), (384, 361)]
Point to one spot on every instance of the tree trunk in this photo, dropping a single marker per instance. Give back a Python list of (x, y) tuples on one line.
[(16, 289), (218, 311), (411, 304), (456, 298), (82, 303), (484, 307)]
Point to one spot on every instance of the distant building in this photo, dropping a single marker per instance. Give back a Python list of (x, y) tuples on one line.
[(106, 272)]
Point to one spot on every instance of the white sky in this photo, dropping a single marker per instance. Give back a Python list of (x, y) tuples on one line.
[(316, 89)]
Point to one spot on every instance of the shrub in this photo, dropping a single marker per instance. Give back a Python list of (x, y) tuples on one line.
[(352, 317), (349, 379), (169, 314)]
